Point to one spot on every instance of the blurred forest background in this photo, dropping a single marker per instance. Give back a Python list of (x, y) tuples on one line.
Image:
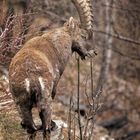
[(109, 85)]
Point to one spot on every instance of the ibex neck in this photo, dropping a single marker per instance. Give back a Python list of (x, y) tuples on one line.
[(61, 42)]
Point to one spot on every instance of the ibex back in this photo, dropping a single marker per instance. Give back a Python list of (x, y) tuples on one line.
[(36, 69)]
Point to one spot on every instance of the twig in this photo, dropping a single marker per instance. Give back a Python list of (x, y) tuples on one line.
[(86, 129), (92, 110), (91, 73), (134, 57), (69, 118), (87, 120), (78, 98), (88, 98), (74, 135)]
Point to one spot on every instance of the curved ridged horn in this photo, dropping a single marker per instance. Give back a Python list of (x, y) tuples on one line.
[(85, 11)]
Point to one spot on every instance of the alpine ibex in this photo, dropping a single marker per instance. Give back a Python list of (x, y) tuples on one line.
[(36, 69)]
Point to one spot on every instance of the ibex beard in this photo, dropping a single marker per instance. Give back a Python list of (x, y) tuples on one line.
[(36, 69)]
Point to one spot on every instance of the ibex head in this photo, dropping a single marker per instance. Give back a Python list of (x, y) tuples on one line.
[(85, 11), (81, 32), (78, 36)]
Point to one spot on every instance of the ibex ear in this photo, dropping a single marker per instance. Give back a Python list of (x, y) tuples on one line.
[(71, 23)]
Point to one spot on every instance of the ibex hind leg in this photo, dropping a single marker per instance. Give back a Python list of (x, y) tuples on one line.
[(27, 120)]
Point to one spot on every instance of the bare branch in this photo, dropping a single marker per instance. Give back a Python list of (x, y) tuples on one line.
[(117, 36), (78, 98)]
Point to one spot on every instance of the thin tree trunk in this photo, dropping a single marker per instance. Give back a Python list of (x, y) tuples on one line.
[(107, 49)]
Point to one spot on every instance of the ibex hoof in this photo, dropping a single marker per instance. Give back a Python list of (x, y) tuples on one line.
[(23, 125), (53, 126), (30, 129), (32, 136)]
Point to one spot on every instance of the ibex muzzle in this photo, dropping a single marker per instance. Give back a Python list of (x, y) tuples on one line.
[(36, 69)]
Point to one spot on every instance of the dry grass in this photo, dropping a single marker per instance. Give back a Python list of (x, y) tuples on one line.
[(10, 128)]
